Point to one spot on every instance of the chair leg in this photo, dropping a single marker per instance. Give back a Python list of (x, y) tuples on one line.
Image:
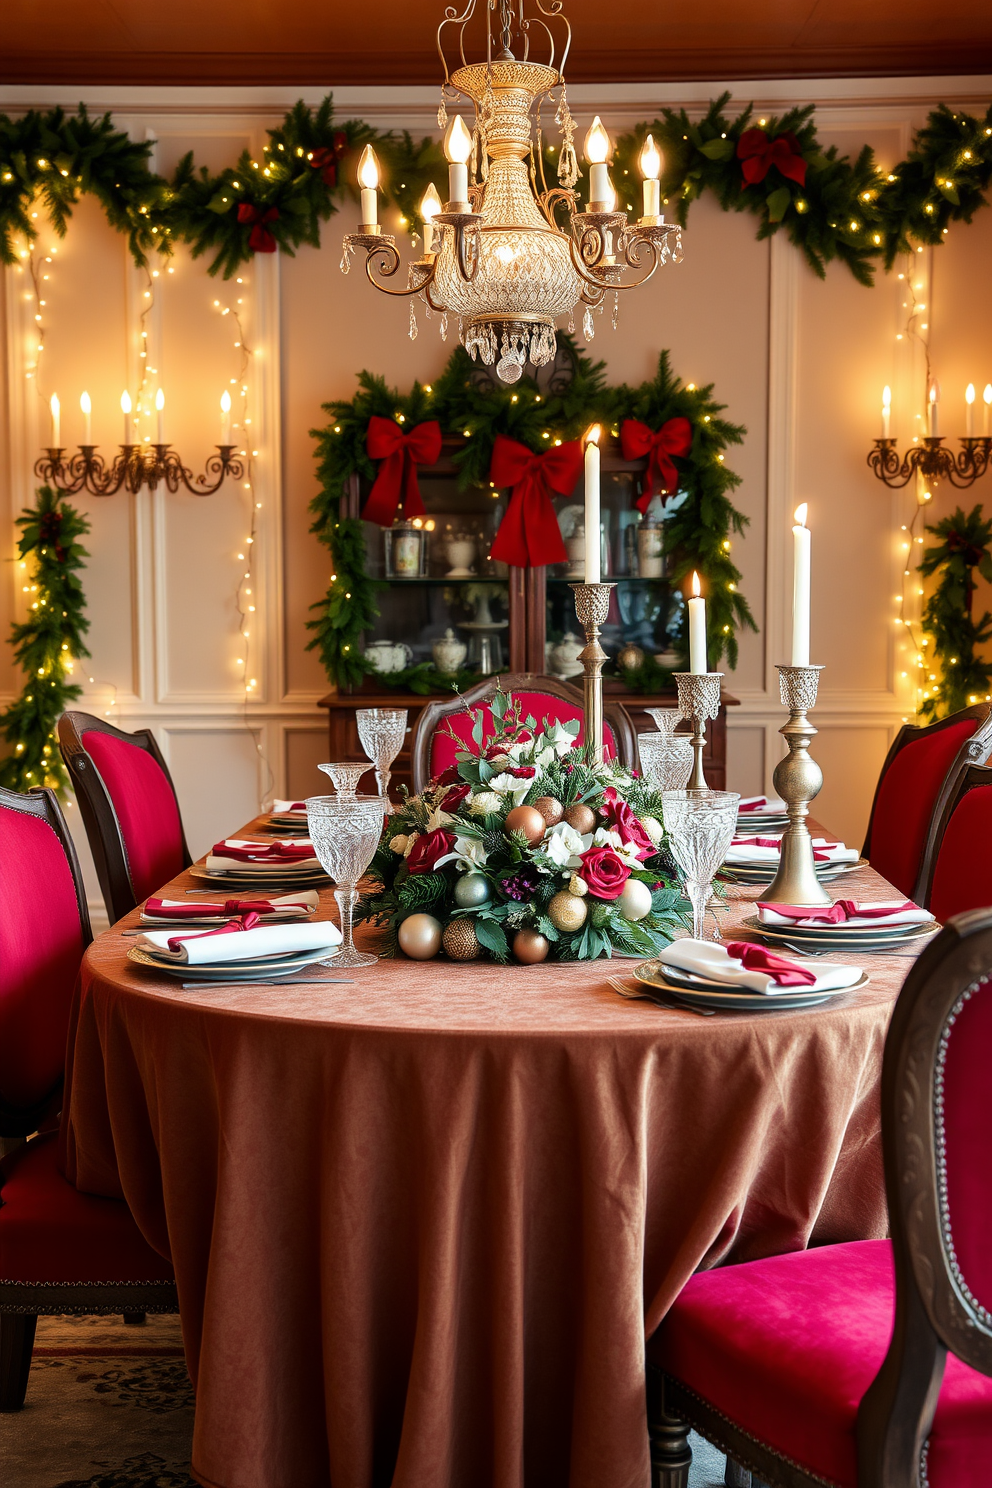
[(671, 1455), (16, 1344), (135, 1319)]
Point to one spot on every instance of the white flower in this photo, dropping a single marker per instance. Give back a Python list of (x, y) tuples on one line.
[(485, 803), (512, 786), (564, 845), (606, 837), (653, 827), (398, 843), (409, 843), (467, 853), (561, 737), (544, 756)]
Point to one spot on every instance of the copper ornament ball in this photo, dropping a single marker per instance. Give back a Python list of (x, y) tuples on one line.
[(551, 809), (530, 947), (420, 937), (581, 817), (567, 911), (460, 940), (526, 819)]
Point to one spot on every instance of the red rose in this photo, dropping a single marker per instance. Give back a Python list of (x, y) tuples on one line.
[(454, 797), (621, 818), (604, 871), (427, 849), (520, 772)]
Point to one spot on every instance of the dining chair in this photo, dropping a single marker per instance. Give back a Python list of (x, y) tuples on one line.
[(432, 749), (916, 780), (867, 1364), (60, 1250), (129, 808), (959, 868)]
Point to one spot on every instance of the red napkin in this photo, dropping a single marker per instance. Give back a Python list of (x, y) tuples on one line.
[(265, 852), (782, 972), (754, 805), (203, 911), (837, 914), (244, 922)]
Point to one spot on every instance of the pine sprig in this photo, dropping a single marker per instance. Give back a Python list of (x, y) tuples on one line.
[(46, 644), (964, 546)]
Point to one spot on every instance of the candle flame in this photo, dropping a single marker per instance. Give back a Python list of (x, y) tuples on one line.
[(597, 143), (54, 405), (125, 402), (935, 391), (695, 586), (85, 404), (987, 395), (457, 141), (886, 396), (591, 436), (160, 400), (969, 393), (650, 160), (801, 514), (368, 169), (225, 401), (430, 204)]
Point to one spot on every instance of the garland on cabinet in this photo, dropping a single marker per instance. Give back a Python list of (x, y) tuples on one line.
[(833, 208), (697, 533), (953, 635), (47, 644)]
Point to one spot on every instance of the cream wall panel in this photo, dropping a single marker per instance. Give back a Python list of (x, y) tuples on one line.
[(849, 755), (216, 773), (745, 757), (304, 750)]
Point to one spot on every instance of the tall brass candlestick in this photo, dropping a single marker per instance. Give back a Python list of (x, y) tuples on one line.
[(699, 699), (798, 779), (592, 604)]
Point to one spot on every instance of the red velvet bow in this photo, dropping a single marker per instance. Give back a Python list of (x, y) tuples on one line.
[(396, 482), (327, 158), (260, 240), (757, 154), (673, 438), (244, 922), (782, 972), (529, 535)]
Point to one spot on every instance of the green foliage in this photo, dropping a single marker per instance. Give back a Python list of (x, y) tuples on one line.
[(46, 644), (964, 545)]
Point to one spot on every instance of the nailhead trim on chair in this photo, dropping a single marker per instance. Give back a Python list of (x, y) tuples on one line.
[(734, 1451)]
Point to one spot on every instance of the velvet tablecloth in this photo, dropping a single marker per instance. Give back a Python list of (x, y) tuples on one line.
[(421, 1223)]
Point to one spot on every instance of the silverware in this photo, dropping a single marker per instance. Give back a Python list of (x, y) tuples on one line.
[(283, 982), (624, 988)]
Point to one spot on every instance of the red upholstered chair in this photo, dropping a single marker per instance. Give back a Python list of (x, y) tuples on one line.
[(865, 1365), (60, 1250), (916, 780), (129, 808), (959, 874), (432, 750)]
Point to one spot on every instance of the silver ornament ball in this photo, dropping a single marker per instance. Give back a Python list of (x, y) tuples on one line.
[(471, 890), (420, 937)]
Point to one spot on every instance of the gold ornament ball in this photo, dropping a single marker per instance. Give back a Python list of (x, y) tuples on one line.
[(581, 817), (635, 899), (567, 911), (420, 937), (460, 940), (550, 809), (530, 947), (527, 820)]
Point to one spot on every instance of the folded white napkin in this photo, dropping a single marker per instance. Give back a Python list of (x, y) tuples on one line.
[(218, 863), (708, 959), (241, 945), (834, 854), (298, 906), (898, 916), (289, 808), (760, 806)]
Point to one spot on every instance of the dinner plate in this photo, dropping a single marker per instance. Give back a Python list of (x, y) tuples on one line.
[(265, 879), (699, 992), (240, 971), (763, 874), (857, 938)]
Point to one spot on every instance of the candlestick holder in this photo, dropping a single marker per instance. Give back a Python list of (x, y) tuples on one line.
[(135, 466), (798, 779), (932, 461), (699, 699), (592, 604)]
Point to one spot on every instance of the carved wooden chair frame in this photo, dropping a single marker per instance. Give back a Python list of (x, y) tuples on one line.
[(103, 830), (964, 781), (435, 713), (974, 750), (935, 1312)]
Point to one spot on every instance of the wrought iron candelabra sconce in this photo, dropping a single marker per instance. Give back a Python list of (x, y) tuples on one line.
[(135, 466), (932, 461)]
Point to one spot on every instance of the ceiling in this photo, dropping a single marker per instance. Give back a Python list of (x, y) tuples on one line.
[(320, 43)]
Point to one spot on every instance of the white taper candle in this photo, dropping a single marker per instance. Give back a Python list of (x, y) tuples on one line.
[(697, 630), (800, 589), (593, 520)]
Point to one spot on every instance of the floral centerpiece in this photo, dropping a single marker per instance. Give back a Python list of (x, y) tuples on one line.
[(531, 850)]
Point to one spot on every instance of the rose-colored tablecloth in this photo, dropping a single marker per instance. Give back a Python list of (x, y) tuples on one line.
[(421, 1223)]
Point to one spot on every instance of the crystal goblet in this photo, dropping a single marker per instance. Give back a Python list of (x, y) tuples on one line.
[(700, 826), (345, 775), (345, 832), (666, 720), (666, 759), (381, 732)]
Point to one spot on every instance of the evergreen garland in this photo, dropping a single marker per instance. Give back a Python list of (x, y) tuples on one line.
[(852, 211), (697, 534), (964, 677), (47, 644)]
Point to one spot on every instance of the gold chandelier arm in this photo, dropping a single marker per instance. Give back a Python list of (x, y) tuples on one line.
[(376, 273), (632, 259)]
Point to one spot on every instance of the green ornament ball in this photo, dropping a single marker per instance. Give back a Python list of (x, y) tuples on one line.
[(472, 890)]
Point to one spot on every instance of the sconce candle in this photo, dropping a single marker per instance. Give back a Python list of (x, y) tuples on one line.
[(56, 408), (457, 149), (592, 517), (969, 399), (697, 630), (126, 411), (932, 401), (159, 406), (225, 417), (87, 407), (987, 400), (368, 180), (800, 589), (886, 411)]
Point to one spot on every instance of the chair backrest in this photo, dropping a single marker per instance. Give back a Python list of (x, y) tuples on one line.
[(128, 805), (917, 777), (937, 1144), (959, 867), (44, 929), (432, 749)]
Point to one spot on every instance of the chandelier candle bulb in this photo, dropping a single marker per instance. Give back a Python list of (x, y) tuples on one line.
[(886, 411), (592, 505), (87, 407), (598, 150), (697, 630), (126, 411), (457, 148), (932, 400), (225, 417), (56, 409), (160, 419), (429, 208), (800, 589), (368, 180), (650, 163), (987, 400), (969, 400)]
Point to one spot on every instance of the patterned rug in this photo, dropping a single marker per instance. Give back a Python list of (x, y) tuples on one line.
[(111, 1406)]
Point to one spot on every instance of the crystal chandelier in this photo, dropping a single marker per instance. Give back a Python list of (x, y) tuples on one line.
[(507, 255)]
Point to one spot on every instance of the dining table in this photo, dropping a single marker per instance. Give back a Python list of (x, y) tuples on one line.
[(424, 1220)]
